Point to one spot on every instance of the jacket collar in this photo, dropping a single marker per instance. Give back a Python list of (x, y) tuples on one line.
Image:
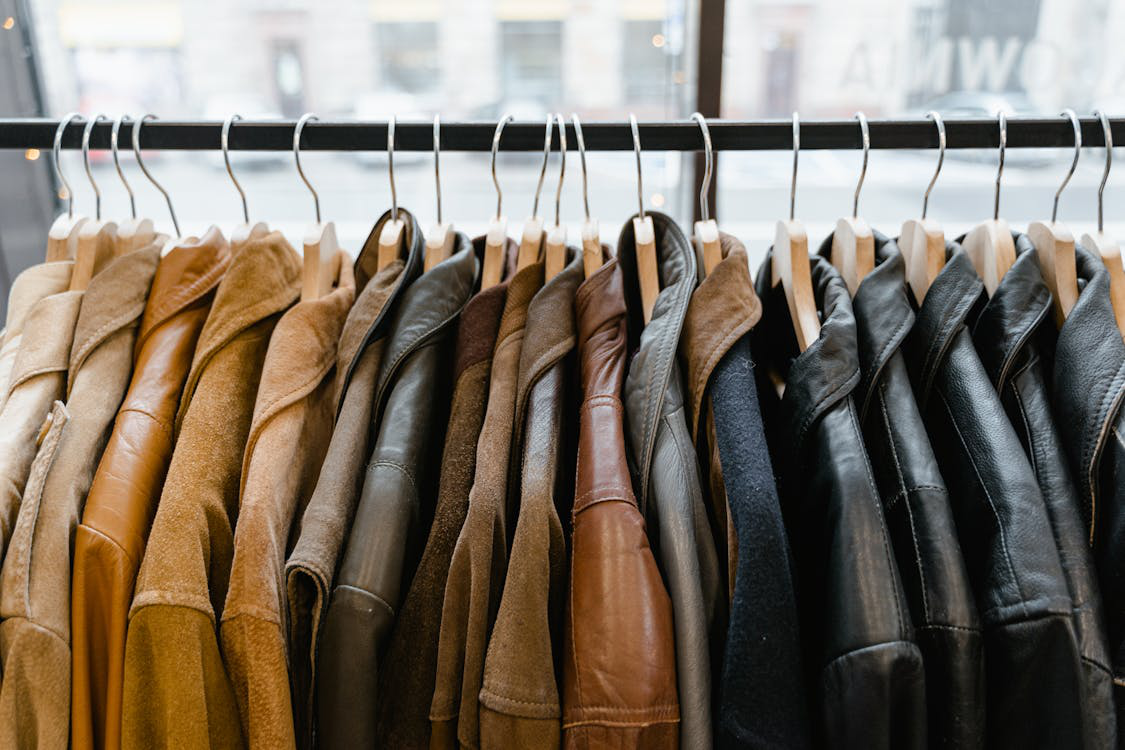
[(1089, 376), (263, 279), (949, 301), (430, 304), (551, 316), (186, 275), (1012, 314), (828, 370), (115, 299), (599, 300), (883, 313), (521, 289), (48, 333), (722, 309), (32, 285), (377, 292), (302, 351), (655, 343)]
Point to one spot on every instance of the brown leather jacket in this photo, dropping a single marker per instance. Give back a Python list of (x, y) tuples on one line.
[(619, 673), (110, 541)]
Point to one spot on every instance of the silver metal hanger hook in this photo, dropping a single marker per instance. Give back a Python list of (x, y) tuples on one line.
[(1107, 134), (437, 166), (224, 142), (391, 166), (86, 161), (936, 117), (796, 153), (543, 169), (504, 120), (1073, 164), (865, 138), (117, 162), (637, 149), (582, 156), (1003, 121), (562, 166), (57, 148), (708, 168), (297, 130), (144, 169)]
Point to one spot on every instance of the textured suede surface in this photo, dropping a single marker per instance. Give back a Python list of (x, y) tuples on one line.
[(519, 698), (110, 541), (288, 438), (39, 281), (35, 582), (476, 571), (176, 690)]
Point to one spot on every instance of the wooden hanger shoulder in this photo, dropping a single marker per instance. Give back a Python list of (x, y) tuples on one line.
[(1110, 253), (708, 249), (321, 255), (791, 268), (495, 248), (244, 233), (1054, 248), (555, 253), (390, 243), (648, 274), (133, 234), (922, 244), (95, 249), (62, 238), (853, 251), (531, 243), (591, 247), (439, 244), (991, 250)]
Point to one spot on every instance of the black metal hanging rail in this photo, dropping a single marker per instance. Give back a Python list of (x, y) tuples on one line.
[(680, 135)]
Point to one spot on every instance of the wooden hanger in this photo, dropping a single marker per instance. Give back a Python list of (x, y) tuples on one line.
[(989, 245), (441, 237), (591, 241), (853, 244), (1054, 244), (644, 238), (555, 253), (321, 251), (1102, 244), (790, 265), (133, 233), (62, 237), (922, 241), (496, 240), (531, 241), (391, 236), (246, 231), (96, 238), (708, 249)]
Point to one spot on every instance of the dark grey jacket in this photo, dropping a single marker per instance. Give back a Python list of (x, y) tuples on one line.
[(916, 506), (665, 473), (1033, 670), (863, 668), (388, 532)]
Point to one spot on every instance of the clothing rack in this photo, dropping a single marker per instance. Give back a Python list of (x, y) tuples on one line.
[(677, 135)]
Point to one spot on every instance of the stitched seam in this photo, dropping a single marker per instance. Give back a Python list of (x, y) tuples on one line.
[(1090, 451), (1021, 339), (882, 359), (815, 411), (166, 429), (97, 337), (1032, 453), (955, 628), (630, 710), (378, 599), (1100, 667), (988, 495), (398, 467), (609, 723)]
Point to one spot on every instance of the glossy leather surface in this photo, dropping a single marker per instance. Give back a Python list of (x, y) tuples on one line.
[(619, 664), (865, 671)]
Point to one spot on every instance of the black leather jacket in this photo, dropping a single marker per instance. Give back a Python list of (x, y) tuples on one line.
[(863, 665), (387, 535), (1033, 672), (1015, 337), (916, 507), (1087, 393)]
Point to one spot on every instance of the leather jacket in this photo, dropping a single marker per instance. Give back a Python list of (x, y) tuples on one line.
[(1087, 391), (916, 507), (619, 663), (387, 534), (666, 475), (861, 661), (1032, 662)]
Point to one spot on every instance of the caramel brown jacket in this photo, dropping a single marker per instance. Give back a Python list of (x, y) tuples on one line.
[(326, 519), (35, 283), (476, 572), (110, 541), (289, 434), (410, 664), (520, 703), (619, 660), (176, 692), (386, 537), (35, 582)]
